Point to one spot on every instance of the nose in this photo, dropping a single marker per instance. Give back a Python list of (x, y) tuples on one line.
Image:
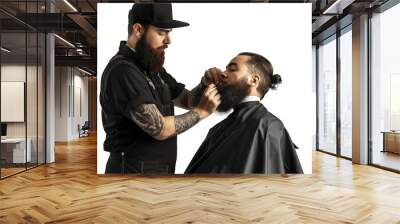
[(223, 75), (167, 39)]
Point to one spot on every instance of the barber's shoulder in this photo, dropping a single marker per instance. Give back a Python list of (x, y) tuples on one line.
[(125, 63), (125, 68)]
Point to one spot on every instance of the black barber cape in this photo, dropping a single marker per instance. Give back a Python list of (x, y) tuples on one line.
[(249, 140)]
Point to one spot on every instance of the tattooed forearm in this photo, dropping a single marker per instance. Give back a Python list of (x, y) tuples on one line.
[(148, 118), (186, 121), (151, 121)]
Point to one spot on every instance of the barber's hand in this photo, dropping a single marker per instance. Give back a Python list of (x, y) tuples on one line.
[(211, 76), (209, 101)]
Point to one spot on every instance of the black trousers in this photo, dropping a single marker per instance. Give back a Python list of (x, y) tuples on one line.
[(124, 164)]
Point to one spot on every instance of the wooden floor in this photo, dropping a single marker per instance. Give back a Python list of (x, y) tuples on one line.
[(10, 171), (387, 159), (70, 191)]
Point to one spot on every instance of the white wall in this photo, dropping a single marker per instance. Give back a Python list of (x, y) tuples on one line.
[(61, 103), (33, 127), (217, 33), (80, 84), (12, 73), (68, 83)]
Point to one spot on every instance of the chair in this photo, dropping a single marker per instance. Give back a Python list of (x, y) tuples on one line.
[(84, 130)]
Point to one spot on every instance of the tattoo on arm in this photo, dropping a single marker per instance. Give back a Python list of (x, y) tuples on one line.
[(186, 121), (148, 118), (151, 121)]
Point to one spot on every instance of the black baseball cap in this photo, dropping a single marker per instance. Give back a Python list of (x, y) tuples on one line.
[(159, 15)]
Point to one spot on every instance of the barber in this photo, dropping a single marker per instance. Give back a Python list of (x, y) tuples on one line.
[(138, 96)]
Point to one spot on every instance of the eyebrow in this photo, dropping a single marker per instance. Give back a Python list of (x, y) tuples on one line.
[(232, 64), (164, 30)]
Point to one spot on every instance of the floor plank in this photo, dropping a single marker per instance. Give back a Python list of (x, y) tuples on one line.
[(70, 191)]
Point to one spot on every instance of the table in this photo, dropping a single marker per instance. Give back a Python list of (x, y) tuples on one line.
[(391, 141), (13, 150)]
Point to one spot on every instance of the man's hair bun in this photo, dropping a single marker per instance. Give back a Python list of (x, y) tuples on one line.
[(275, 81)]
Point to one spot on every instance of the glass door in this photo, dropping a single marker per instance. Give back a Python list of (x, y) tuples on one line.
[(327, 95), (385, 89), (346, 92)]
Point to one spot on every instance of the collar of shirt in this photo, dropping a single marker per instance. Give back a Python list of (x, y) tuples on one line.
[(250, 98), (133, 49), (125, 50)]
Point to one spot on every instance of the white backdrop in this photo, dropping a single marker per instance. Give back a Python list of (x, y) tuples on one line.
[(217, 33)]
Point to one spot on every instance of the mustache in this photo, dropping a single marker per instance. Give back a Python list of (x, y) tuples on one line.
[(163, 47), (221, 86)]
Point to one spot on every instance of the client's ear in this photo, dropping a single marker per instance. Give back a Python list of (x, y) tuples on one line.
[(254, 79)]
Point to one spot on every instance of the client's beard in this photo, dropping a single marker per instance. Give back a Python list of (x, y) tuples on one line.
[(151, 59), (231, 95)]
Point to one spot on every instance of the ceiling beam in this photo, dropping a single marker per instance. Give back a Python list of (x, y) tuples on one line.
[(337, 6), (82, 61), (84, 24)]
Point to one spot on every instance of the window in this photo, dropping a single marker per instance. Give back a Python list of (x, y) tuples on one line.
[(327, 96), (346, 93), (385, 88), (22, 87)]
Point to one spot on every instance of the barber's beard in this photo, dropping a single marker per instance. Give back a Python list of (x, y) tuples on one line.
[(152, 59), (232, 95)]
